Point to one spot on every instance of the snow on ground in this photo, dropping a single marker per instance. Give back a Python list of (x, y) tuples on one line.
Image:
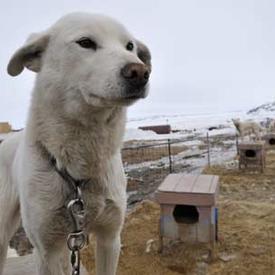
[(197, 123), (12, 253), (191, 132), (194, 158), (4, 136), (188, 122), (138, 134)]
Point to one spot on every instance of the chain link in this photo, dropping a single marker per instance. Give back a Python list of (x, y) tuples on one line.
[(76, 208), (76, 239)]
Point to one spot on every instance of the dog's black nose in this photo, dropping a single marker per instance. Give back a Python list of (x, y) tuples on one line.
[(136, 74)]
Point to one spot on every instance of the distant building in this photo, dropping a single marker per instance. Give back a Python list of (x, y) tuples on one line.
[(158, 129), (5, 130), (5, 127)]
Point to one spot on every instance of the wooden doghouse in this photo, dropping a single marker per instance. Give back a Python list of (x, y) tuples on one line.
[(269, 140), (252, 155), (188, 208)]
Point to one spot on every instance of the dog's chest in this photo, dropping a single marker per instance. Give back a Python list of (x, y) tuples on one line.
[(102, 213), (86, 155)]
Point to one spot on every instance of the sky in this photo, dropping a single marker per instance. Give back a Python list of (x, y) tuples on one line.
[(208, 56)]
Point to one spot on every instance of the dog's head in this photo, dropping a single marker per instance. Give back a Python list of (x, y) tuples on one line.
[(236, 122), (90, 57)]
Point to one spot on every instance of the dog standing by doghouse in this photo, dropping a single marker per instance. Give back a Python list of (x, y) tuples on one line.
[(248, 128), (89, 69)]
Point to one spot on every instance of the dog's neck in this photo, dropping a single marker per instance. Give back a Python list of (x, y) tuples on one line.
[(83, 144)]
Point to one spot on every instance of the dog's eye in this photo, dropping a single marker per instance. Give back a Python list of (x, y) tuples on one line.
[(130, 46), (87, 43)]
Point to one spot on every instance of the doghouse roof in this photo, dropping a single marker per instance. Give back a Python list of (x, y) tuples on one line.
[(188, 189), (251, 145)]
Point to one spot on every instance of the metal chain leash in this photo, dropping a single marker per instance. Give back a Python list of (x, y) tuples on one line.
[(76, 207), (76, 239)]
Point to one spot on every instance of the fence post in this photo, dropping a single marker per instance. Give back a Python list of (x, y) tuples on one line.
[(237, 144), (170, 158), (208, 149)]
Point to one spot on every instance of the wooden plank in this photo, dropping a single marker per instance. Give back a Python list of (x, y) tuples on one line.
[(185, 183), (189, 189), (251, 145), (24, 265), (202, 184), (214, 188), (188, 233), (169, 183), (204, 227), (186, 198)]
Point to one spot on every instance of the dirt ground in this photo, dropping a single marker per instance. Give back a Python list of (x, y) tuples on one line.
[(246, 232)]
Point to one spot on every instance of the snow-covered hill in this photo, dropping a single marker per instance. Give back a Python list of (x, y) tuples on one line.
[(199, 123), (264, 109)]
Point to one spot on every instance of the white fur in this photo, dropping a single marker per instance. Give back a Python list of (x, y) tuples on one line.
[(78, 113), (271, 127), (248, 127)]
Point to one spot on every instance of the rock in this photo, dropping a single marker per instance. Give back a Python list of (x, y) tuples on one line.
[(149, 245), (227, 257)]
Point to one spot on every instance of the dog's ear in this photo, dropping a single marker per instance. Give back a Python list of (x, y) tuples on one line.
[(30, 55), (144, 54)]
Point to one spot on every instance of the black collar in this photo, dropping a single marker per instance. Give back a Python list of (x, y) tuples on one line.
[(63, 173)]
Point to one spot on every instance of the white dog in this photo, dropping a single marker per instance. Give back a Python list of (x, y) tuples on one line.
[(271, 127), (89, 69), (247, 127)]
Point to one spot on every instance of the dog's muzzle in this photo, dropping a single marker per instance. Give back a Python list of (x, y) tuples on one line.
[(136, 76)]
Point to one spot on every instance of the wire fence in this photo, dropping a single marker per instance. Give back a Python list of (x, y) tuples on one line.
[(146, 165), (150, 153)]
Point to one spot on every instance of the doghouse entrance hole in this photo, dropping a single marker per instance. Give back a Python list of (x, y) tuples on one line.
[(272, 141), (250, 153), (186, 214)]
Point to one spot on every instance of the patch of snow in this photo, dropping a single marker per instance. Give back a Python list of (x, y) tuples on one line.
[(224, 131), (194, 158), (12, 253), (4, 136), (197, 124), (266, 108), (187, 122), (138, 134)]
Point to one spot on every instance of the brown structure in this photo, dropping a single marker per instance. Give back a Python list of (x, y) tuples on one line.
[(5, 127), (158, 129), (252, 155), (188, 208), (269, 140)]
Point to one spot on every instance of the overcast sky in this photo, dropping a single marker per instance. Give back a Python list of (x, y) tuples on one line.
[(207, 54)]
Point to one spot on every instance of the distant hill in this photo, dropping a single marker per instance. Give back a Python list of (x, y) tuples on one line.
[(264, 108)]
